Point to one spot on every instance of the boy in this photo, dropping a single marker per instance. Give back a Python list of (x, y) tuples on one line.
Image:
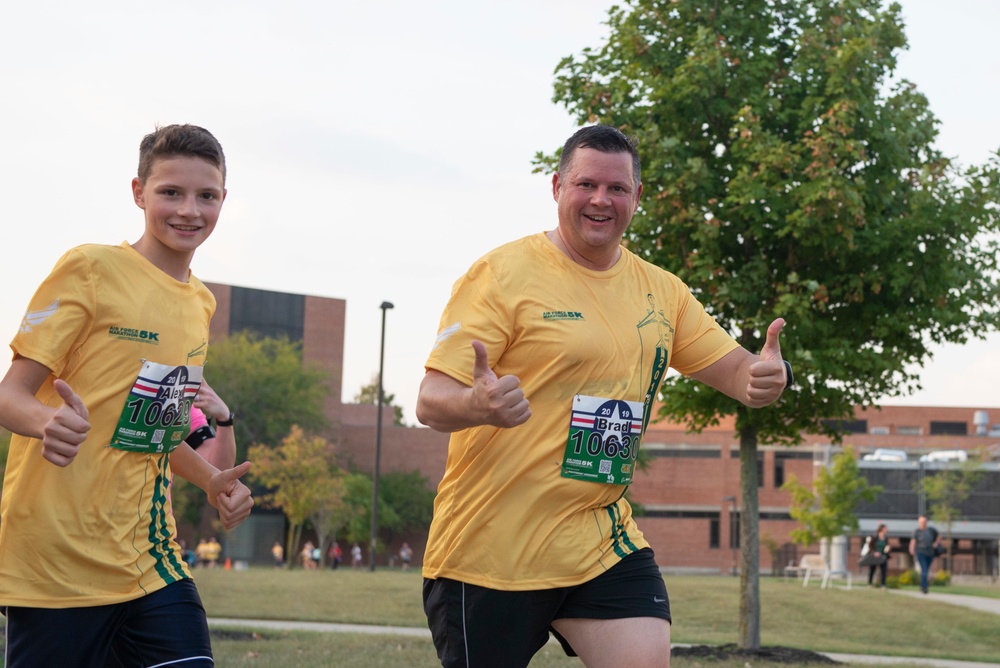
[(106, 364)]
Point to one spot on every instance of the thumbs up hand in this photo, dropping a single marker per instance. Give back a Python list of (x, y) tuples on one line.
[(500, 401), (767, 375), (230, 496), (67, 429)]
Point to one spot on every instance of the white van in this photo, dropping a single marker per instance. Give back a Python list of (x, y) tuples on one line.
[(946, 456), (885, 455)]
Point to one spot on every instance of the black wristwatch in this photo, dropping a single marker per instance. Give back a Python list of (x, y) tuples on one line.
[(228, 422), (788, 370)]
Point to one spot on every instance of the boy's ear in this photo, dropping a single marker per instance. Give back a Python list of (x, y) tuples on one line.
[(137, 193)]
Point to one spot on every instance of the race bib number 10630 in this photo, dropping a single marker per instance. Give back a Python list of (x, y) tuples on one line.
[(603, 440)]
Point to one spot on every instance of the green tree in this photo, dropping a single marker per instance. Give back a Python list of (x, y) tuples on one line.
[(330, 513), (946, 489), (405, 503), (359, 498), (411, 500), (304, 481), (368, 394), (829, 508), (265, 382), (787, 174)]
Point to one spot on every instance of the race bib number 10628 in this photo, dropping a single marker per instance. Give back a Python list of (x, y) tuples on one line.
[(157, 413)]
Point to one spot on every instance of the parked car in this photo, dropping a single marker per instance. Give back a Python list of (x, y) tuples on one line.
[(885, 455)]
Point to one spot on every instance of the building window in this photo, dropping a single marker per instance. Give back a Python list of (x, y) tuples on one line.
[(779, 472), (713, 534), (942, 428), (880, 431), (273, 314), (847, 426), (909, 431)]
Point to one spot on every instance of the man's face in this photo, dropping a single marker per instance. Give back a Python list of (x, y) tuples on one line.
[(922, 522), (182, 198), (597, 197)]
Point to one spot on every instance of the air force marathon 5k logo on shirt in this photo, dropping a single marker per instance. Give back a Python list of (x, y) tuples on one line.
[(33, 319), (133, 334), (562, 315)]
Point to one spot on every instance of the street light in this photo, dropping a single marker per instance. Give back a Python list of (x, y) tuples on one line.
[(385, 306), (732, 527)]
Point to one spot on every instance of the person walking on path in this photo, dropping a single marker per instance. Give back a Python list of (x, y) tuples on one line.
[(877, 555), (924, 547)]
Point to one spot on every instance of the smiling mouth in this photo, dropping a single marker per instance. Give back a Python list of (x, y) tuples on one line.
[(598, 219), (186, 228)]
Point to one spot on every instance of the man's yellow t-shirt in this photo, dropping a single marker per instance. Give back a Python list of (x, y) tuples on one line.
[(505, 517)]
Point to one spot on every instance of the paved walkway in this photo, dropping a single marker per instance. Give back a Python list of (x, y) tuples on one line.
[(980, 603), (991, 605), (323, 627)]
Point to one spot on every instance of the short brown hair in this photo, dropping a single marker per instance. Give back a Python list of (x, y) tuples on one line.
[(603, 138), (174, 141)]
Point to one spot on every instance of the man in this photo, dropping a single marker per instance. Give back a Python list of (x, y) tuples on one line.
[(106, 366), (545, 372), (924, 547)]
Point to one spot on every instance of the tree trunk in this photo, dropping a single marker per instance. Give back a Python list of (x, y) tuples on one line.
[(292, 553), (749, 542)]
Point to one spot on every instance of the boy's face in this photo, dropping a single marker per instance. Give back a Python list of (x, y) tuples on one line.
[(182, 198)]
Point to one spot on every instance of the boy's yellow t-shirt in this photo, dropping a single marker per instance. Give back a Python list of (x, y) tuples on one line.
[(100, 530)]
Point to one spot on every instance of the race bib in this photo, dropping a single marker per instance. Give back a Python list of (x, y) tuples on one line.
[(603, 441), (157, 414)]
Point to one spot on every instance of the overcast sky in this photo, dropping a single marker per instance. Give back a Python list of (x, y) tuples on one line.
[(375, 149)]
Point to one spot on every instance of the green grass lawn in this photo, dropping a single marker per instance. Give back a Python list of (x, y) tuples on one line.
[(705, 609)]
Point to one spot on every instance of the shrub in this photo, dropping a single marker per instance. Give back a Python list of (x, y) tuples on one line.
[(909, 577), (892, 582), (941, 579)]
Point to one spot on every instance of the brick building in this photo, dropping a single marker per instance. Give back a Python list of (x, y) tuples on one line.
[(690, 492)]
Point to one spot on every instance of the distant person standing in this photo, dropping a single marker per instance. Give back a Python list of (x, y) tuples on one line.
[(406, 555), (335, 554), (878, 551), (356, 556), (923, 547), (201, 553), (278, 552), (307, 556), (213, 550)]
